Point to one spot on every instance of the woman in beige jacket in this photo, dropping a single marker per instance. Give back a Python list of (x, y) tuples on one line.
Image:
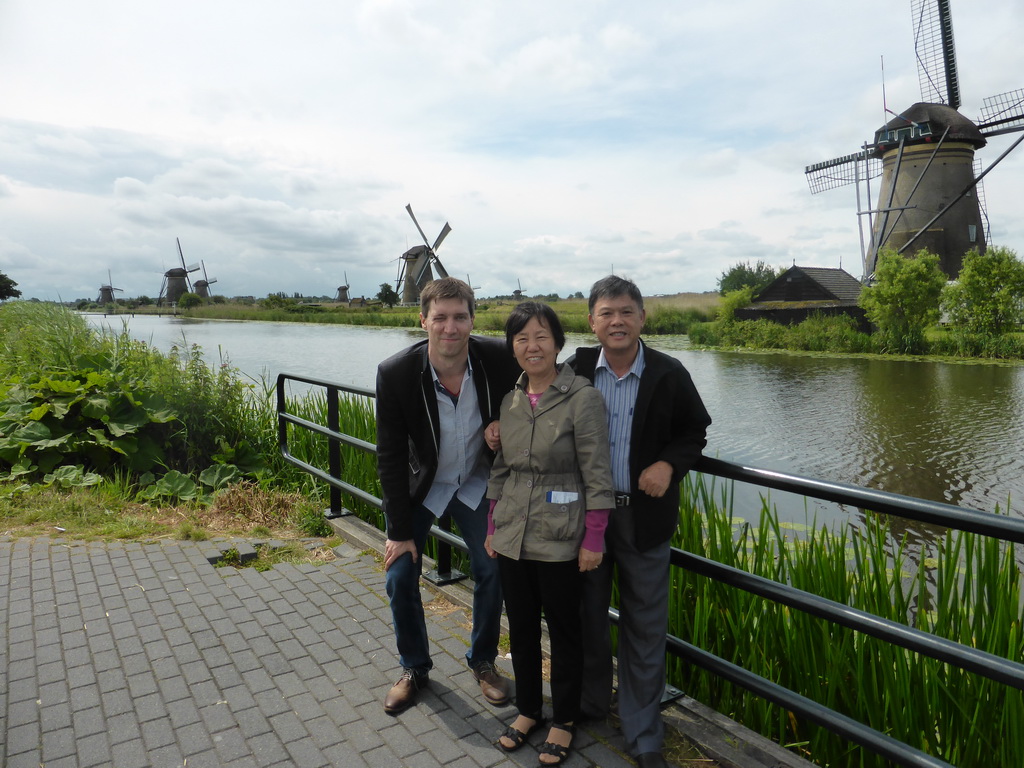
[(551, 492)]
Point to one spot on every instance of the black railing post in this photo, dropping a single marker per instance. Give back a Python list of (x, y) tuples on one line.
[(334, 454), (443, 572)]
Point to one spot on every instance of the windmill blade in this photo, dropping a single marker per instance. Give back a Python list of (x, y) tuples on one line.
[(211, 282), (1003, 113), (934, 51), (444, 233), (421, 271), (192, 268), (840, 171), (439, 266), (418, 227), (181, 255), (205, 276)]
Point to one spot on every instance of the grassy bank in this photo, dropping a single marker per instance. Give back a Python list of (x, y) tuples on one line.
[(665, 314), (841, 335)]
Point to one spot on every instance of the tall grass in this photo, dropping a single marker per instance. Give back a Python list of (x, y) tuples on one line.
[(967, 589)]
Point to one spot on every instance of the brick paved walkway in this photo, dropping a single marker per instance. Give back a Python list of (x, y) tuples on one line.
[(145, 654), (136, 655)]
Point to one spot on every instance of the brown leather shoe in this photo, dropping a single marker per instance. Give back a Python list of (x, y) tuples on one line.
[(493, 686), (403, 693)]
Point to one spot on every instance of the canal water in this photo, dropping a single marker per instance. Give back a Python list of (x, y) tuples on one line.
[(941, 431)]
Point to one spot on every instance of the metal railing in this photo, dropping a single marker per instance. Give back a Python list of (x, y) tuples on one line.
[(978, 662)]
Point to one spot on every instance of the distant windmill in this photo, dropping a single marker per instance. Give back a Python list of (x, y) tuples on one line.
[(929, 194), (107, 291), (415, 268), (517, 294), (470, 283), (203, 286), (342, 295), (176, 280)]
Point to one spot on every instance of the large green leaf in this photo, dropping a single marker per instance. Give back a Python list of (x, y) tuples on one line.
[(175, 485), (32, 432), (97, 406), (220, 475)]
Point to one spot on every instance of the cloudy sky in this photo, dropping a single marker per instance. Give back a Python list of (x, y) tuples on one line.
[(560, 139)]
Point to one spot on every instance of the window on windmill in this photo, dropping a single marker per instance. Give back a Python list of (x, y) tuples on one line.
[(972, 233)]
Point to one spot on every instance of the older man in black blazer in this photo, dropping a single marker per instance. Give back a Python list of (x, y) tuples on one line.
[(657, 425)]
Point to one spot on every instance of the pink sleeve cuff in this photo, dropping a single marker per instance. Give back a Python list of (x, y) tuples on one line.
[(594, 527)]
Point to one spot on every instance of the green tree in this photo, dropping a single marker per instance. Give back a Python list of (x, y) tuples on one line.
[(8, 288), (188, 300), (732, 301), (742, 275), (904, 299), (988, 295), (388, 295)]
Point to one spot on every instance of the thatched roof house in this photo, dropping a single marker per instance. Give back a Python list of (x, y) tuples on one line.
[(802, 291)]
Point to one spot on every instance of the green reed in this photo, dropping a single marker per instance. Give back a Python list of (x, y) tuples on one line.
[(964, 587)]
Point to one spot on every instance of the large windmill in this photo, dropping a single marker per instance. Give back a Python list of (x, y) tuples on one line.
[(176, 280), (107, 291), (929, 193), (415, 270), (202, 286)]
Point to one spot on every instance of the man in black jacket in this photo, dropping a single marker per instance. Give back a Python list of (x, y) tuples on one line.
[(657, 425), (433, 401)]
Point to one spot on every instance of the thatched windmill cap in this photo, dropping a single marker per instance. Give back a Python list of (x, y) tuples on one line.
[(937, 117)]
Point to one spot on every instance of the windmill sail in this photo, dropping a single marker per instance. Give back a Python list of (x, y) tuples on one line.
[(934, 51)]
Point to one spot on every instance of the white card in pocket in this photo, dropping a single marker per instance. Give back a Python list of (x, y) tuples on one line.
[(562, 497)]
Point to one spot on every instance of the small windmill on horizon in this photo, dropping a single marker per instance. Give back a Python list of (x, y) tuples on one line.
[(929, 195), (176, 280), (107, 291)]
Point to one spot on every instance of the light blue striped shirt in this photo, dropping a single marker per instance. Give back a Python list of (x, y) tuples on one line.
[(462, 467), (620, 400)]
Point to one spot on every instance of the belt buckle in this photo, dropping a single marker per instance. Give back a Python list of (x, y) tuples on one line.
[(622, 499)]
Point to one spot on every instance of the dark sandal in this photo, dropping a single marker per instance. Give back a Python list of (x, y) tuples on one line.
[(517, 737), (557, 750)]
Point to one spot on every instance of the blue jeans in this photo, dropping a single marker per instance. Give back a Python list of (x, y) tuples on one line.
[(403, 588)]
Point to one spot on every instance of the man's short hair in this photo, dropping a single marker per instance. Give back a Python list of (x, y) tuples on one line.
[(520, 316), (446, 288), (612, 287)]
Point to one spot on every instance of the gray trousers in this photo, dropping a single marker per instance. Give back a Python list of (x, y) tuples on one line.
[(643, 579)]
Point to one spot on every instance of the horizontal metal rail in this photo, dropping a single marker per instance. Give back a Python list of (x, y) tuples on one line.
[(988, 524)]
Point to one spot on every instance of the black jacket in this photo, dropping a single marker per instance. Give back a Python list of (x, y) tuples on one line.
[(669, 424), (408, 432)]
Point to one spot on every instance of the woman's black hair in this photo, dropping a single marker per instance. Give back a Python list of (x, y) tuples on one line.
[(520, 316)]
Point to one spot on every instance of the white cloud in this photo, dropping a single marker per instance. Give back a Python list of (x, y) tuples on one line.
[(558, 139)]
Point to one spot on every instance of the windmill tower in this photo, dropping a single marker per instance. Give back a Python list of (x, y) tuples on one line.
[(929, 194), (176, 280), (203, 286), (415, 268), (342, 295), (517, 294), (107, 291)]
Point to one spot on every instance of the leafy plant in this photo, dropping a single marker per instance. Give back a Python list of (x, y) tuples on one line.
[(988, 295), (904, 299), (89, 418)]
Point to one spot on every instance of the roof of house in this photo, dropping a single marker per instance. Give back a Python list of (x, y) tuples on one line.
[(812, 284)]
